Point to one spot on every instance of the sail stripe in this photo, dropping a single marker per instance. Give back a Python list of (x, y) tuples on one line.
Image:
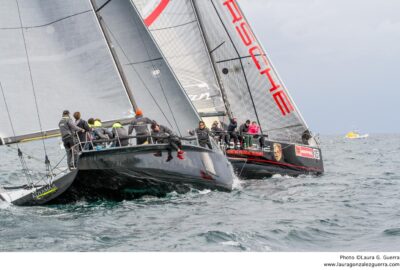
[(251, 82), (177, 32), (156, 13)]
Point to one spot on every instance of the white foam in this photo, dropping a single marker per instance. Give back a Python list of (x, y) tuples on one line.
[(277, 176), (5, 205), (237, 183), (231, 243), (204, 192)]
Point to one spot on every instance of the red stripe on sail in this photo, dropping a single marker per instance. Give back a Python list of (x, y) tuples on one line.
[(156, 13)]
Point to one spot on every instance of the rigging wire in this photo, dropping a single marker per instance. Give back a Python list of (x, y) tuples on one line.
[(25, 168), (241, 65), (154, 68), (136, 72), (49, 169)]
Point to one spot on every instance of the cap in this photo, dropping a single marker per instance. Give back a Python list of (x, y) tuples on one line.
[(139, 112)]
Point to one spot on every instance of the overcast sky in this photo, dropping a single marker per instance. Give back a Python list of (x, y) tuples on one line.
[(339, 59)]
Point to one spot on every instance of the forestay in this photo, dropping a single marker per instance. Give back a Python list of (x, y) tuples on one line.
[(71, 65), (155, 88), (176, 30)]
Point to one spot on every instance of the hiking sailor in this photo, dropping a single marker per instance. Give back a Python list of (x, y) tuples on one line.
[(203, 135), (162, 134), (68, 130), (140, 126)]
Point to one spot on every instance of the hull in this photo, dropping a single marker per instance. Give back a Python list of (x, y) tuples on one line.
[(39, 195), (276, 158), (131, 172), (358, 137)]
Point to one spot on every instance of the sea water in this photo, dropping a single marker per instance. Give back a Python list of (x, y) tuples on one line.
[(354, 206)]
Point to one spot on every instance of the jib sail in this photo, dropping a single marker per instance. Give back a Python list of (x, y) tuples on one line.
[(155, 88)]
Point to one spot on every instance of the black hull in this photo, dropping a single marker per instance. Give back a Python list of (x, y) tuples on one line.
[(40, 195), (131, 172), (276, 158)]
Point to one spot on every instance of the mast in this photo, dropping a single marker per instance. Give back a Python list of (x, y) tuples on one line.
[(211, 58), (166, 62), (241, 65), (114, 55)]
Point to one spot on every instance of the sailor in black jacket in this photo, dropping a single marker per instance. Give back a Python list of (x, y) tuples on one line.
[(68, 130), (83, 136), (203, 135), (162, 134), (220, 134), (120, 134), (245, 139), (140, 126), (232, 131)]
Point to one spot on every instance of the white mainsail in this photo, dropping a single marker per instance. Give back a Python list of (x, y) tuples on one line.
[(56, 57), (70, 63), (251, 84)]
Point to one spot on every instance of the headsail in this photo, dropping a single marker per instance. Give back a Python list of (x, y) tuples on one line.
[(70, 63), (176, 30), (155, 88), (251, 84)]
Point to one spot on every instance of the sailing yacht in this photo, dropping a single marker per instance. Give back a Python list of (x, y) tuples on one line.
[(96, 57), (223, 67)]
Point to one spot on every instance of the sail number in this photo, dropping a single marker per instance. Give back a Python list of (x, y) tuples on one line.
[(247, 36)]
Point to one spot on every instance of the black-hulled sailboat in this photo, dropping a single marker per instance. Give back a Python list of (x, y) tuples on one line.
[(97, 57), (223, 67)]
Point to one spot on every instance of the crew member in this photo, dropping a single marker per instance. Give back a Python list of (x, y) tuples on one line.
[(83, 136), (219, 133), (140, 126), (100, 132), (254, 129), (203, 135), (306, 136), (162, 134), (232, 131), (120, 134), (244, 137), (68, 129)]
